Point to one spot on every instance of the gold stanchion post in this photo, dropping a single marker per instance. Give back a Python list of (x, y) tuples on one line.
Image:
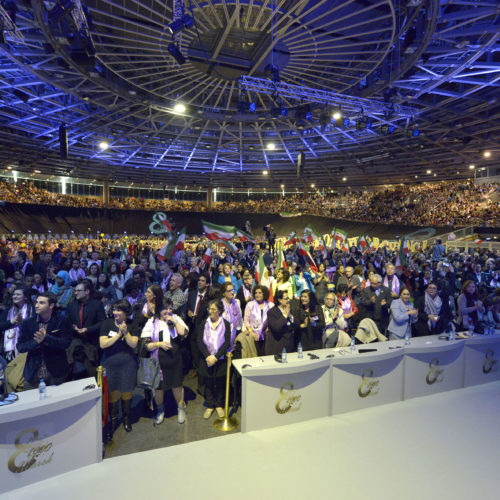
[(225, 423), (99, 376)]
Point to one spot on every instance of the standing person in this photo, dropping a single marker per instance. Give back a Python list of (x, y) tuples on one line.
[(163, 333), (194, 303), (118, 341), (255, 322), (434, 313), (85, 315), (349, 317), (311, 321), (391, 281), (375, 302), (334, 334), (470, 308), (282, 325), (11, 319), (227, 276), (232, 310), (214, 340), (45, 337), (61, 290), (321, 282), (244, 294), (176, 295), (403, 315)]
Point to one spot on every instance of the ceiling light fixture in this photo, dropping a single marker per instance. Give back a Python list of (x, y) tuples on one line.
[(103, 145)]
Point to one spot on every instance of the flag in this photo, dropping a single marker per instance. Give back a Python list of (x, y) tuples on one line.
[(292, 238), (371, 244), (262, 276), (340, 238), (244, 236), (174, 244), (478, 241), (281, 257), (310, 234), (362, 244), (403, 252), (302, 250), (123, 253), (229, 244), (207, 257), (214, 232)]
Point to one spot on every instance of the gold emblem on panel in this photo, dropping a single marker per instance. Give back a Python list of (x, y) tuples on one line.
[(368, 386), (289, 400), (30, 452), (435, 373), (490, 364)]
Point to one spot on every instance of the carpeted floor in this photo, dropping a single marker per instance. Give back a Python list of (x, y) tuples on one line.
[(145, 436)]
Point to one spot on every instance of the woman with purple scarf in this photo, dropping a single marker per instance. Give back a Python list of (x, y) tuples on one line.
[(163, 332), (214, 339), (255, 322), (232, 309)]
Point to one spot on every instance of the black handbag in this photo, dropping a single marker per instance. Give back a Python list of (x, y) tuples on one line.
[(148, 374)]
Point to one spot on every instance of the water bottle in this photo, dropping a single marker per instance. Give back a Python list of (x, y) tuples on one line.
[(3, 390), (451, 335), (353, 344), (300, 352), (407, 338), (283, 355), (471, 328), (42, 389)]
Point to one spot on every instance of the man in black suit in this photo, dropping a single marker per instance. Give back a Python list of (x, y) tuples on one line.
[(45, 337), (283, 325), (375, 302), (85, 315), (196, 299)]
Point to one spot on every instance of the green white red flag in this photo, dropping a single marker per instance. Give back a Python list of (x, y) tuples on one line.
[(292, 239), (175, 243), (302, 250), (207, 257), (214, 232), (243, 236)]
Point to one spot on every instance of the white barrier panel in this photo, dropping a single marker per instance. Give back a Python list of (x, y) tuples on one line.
[(367, 380), (482, 360), (285, 394), (433, 366), (41, 439)]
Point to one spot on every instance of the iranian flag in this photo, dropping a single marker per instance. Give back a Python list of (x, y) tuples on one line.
[(340, 239), (478, 241), (242, 236), (403, 252), (281, 257), (362, 244), (214, 232), (302, 250), (292, 239), (371, 244), (207, 257), (230, 245), (175, 243), (262, 276), (310, 234)]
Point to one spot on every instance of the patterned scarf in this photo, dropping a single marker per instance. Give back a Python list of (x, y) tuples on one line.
[(394, 284), (232, 313), (432, 306), (258, 317)]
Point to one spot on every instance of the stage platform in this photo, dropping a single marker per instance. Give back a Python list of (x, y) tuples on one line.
[(443, 446)]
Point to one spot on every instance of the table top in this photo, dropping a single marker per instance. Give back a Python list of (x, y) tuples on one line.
[(377, 351), (58, 397)]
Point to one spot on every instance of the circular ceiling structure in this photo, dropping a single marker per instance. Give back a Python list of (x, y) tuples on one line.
[(112, 72)]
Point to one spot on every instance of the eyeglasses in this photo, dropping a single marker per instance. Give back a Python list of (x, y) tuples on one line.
[(229, 291), (79, 289)]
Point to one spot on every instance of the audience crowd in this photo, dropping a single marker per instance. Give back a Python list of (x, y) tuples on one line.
[(68, 307), (453, 203)]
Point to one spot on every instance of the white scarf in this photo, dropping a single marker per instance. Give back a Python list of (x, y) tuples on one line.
[(395, 284), (11, 335)]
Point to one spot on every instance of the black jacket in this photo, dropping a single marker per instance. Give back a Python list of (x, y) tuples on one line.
[(93, 316), (52, 349), (375, 310)]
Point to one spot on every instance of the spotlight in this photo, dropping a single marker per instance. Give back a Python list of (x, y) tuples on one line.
[(344, 179), (176, 53), (337, 115), (179, 108), (487, 154), (252, 107), (264, 172), (415, 132), (472, 167), (391, 129), (347, 123), (103, 145), (185, 21), (271, 146)]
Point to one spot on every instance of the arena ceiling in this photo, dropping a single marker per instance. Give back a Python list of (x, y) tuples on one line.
[(120, 85)]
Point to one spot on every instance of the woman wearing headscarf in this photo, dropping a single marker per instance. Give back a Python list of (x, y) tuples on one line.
[(334, 335), (62, 289), (214, 339), (10, 321)]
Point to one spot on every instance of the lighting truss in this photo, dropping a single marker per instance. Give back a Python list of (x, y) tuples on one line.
[(80, 19), (9, 27), (348, 104)]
